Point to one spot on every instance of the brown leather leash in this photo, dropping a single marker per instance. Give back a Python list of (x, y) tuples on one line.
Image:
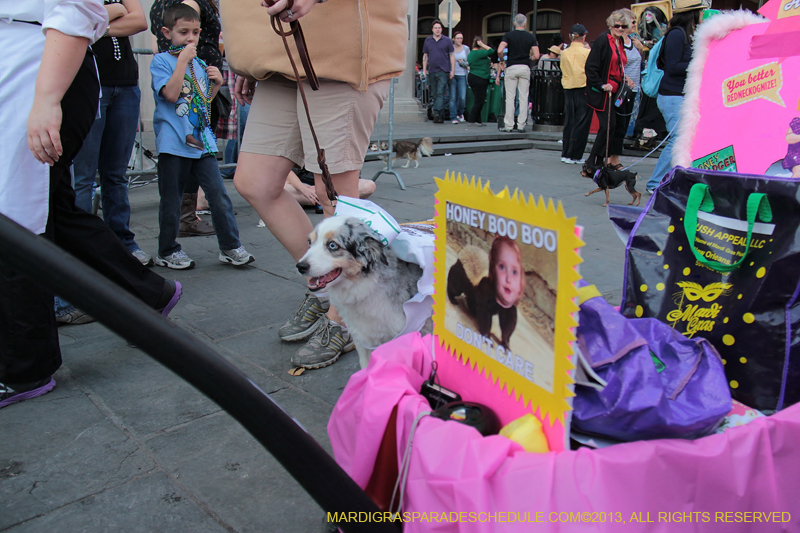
[(311, 76)]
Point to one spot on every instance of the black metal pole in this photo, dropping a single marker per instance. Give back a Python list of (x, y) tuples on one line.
[(199, 365)]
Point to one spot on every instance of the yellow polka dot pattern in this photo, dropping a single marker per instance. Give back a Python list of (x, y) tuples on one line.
[(643, 288), (660, 286), (728, 340), (671, 229), (749, 318), (687, 271), (639, 311), (658, 253), (734, 384), (725, 320), (760, 272), (743, 360), (666, 267)]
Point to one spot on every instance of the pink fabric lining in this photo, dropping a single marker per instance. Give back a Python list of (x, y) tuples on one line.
[(753, 467)]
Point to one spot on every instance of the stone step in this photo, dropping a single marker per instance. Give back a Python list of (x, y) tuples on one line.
[(502, 145)]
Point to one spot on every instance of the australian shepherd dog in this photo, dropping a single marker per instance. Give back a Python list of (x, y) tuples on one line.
[(366, 281)]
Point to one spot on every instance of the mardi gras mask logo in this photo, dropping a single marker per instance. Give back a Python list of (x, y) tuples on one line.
[(695, 291), (692, 317)]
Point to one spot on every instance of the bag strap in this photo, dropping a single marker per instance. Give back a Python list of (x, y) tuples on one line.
[(311, 76), (700, 200)]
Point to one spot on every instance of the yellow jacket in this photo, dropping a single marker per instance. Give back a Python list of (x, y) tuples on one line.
[(355, 41), (573, 63)]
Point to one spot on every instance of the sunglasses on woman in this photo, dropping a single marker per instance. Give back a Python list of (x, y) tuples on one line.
[(620, 26)]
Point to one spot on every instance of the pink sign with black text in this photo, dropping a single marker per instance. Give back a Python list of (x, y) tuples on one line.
[(742, 107)]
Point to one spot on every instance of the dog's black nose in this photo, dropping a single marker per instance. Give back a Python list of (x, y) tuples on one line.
[(302, 267)]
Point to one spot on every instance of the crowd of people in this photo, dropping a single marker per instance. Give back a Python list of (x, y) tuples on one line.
[(84, 111), (601, 78), (75, 108)]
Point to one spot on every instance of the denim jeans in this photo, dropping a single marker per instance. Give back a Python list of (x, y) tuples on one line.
[(670, 107), (458, 96), (232, 148), (438, 81), (173, 173), (107, 151)]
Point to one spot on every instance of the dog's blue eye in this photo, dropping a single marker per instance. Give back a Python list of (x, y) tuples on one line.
[(309, 242), (332, 246)]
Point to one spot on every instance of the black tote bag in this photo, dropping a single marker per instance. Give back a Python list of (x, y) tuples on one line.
[(717, 255)]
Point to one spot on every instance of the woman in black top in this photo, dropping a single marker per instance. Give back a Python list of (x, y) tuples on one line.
[(676, 53), (107, 148), (605, 72)]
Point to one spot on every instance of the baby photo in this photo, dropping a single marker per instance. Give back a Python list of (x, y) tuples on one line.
[(501, 299)]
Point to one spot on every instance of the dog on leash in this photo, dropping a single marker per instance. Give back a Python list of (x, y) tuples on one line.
[(607, 178), (366, 281), (411, 150)]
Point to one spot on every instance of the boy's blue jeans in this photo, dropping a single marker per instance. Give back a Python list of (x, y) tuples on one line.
[(173, 173)]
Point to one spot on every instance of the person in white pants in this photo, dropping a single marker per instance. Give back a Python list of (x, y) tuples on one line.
[(522, 48)]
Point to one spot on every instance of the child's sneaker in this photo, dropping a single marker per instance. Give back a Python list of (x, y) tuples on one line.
[(176, 261), (238, 256)]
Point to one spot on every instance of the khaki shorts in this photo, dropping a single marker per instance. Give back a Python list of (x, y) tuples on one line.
[(342, 116)]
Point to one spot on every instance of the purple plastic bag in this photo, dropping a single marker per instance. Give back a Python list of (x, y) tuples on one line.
[(658, 383)]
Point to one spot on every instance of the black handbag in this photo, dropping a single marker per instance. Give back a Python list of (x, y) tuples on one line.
[(223, 102)]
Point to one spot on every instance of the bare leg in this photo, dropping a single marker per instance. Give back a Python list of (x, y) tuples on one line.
[(299, 198), (202, 203), (260, 180), (366, 188), (346, 184), (796, 171), (613, 160)]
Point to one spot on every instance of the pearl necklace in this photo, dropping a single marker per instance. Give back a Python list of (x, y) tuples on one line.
[(117, 53)]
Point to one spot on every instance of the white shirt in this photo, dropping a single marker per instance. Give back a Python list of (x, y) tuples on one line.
[(24, 182)]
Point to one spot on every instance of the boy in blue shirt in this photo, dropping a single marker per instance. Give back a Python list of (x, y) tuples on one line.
[(183, 87)]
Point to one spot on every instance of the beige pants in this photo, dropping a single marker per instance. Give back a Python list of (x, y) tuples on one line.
[(517, 77), (342, 116)]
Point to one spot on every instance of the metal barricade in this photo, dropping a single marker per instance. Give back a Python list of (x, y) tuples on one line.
[(547, 97)]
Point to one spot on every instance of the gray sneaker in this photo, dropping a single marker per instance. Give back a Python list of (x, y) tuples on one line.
[(176, 261), (237, 257), (325, 347), (143, 257), (75, 317), (306, 319)]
